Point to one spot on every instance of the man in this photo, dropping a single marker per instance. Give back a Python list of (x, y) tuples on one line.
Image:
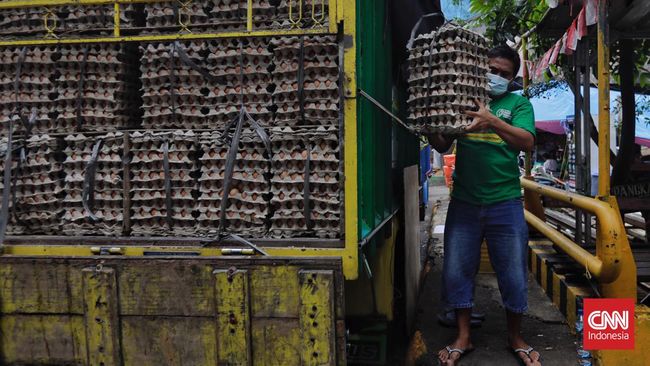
[(486, 203), (550, 164)]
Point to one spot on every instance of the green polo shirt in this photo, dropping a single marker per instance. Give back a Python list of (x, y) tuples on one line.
[(487, 171)]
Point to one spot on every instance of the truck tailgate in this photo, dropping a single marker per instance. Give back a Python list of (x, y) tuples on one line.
[(171, 311)]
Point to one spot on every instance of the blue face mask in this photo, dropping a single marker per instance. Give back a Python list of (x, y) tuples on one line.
[(497, 85)]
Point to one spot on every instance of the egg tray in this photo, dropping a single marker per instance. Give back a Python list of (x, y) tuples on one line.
[(447, 70), (291, 150)]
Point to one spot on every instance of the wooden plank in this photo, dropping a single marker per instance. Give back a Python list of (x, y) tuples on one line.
[(277, 341), (172, 288), (274, 292), (43, 288), (566, 220), (635, 220), (169, 341), (42, 340), (317, 328), (413, 263), (101, 316), (233, 317)]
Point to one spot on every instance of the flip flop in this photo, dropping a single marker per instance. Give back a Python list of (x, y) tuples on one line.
[(527, 351), (461, 353)]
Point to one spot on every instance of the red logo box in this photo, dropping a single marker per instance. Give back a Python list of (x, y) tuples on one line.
[(608, 324)]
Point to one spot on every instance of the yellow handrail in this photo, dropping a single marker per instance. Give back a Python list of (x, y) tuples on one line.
[(613, 264), (592, 263)]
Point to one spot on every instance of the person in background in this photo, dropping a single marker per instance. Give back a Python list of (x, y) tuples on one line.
[(486, 203), (550, 164)]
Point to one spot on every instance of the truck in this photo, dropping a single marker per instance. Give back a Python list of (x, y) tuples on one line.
[(200, 182)]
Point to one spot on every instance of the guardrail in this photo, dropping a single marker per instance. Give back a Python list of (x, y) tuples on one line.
[(315, 17), (613, 265)]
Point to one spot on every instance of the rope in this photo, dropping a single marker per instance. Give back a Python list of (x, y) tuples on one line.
[(88, 193), (385, 110), (230, 165)]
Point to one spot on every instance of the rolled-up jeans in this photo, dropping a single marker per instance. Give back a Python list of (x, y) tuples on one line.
[(504, 228)]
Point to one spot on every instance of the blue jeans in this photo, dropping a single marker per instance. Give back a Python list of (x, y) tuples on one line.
[(504, 227)]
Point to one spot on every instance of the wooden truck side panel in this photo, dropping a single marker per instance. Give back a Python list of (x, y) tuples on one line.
[(135, 311)]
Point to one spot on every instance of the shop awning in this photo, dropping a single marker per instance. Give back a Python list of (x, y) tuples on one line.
[(554, 127)]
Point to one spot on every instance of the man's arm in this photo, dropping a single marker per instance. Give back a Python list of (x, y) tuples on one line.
[(440, 142), (515, 137)]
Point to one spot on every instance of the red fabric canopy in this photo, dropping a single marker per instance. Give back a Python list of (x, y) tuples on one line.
[(642, 141), (554, 127)]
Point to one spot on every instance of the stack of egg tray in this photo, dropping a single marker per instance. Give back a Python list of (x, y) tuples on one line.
[(38, 188), (148, 195), (31, 93), (107, 190), (291, 149), (242, 65), (176, 95), (71, 20), (248, 199), (109, 97), (52, 86), (231, 15), (171, 90), (320, 80), (446, 75)]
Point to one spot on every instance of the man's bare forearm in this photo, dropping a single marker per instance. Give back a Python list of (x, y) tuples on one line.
[(515, 137), (440, 142)]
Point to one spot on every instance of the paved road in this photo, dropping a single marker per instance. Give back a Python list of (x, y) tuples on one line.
[(543, 326)]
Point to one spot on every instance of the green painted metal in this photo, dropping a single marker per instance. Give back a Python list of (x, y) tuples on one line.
[(380, 178)]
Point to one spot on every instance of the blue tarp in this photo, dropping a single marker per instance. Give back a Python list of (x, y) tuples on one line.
[(557, 105)]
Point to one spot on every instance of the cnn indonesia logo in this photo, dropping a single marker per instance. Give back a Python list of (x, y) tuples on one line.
[(609, 324)]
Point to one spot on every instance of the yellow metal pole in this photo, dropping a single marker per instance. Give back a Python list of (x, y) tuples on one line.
[(249, 16), (573, 250), (351, 257), (526, 79), (532, 200), (603, 99), (116, 20), (161, 38)]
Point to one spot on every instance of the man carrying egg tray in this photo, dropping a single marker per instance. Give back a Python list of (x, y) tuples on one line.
[(486, 204)]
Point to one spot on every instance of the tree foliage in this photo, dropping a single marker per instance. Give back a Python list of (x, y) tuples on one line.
[(506, 19)]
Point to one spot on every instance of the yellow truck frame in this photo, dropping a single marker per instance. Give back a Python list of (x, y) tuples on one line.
[(80, 304)]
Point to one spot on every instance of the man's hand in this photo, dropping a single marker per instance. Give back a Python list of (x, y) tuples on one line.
[(440, 142), (483, 118), (515, 137)]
